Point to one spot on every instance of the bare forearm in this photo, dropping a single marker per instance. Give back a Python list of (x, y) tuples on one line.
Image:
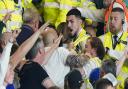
[(23, 49)]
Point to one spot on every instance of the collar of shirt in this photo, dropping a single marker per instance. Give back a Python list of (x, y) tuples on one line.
[(119, 35), (79, 31)]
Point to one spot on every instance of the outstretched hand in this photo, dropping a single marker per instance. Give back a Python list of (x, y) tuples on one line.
[(43, 27), (15, 33), (57, 41)]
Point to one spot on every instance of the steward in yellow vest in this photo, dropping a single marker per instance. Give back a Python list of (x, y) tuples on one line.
[(78, 34), (116, 39)]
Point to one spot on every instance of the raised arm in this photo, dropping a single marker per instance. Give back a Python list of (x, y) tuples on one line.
[(5, 56), (26, 46), (4, 21), (51, 50)]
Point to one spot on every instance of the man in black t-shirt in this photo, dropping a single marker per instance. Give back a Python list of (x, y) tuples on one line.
[(31, 74)]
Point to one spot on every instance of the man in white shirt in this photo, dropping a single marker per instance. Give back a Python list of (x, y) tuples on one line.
[(55, 65)]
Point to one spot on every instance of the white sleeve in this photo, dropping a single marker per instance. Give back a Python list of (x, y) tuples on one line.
[(115, 54), (2, 87), (63, 53), (96, 15), (4, 61)]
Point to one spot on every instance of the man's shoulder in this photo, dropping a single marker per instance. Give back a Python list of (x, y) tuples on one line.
[(59, 50), (102, 37), (63, 50)]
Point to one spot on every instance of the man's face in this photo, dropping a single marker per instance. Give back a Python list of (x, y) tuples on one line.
[(115, 22), (73, 24), (107, 3)]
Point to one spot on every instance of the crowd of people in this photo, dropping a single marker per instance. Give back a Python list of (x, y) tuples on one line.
[(63, 44)]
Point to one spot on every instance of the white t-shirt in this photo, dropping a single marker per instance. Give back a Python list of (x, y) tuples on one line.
[(2, 87), (56, 68)]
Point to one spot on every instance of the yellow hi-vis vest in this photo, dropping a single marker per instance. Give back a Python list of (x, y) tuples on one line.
[(66, 5), (16, 17), (82, 37), (27, 4), (122, 42), (50, 10), (123, 75)]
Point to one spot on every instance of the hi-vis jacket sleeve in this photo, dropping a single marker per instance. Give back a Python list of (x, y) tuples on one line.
[(96, 15)]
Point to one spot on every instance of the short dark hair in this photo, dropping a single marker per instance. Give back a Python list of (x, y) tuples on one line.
[(75, 12), (73, 80), (103, 84), (117, 9), (109, 66), (51, 26)]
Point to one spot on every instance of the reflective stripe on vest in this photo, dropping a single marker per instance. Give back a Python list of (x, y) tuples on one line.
[(11, 26), (67, 7), (56, 5), (51, 4), (13, 23), (5, 11), (108, 41), (97, 61), (16, 16)]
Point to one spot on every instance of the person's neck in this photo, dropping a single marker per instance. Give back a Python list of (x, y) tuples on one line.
[(21, 64), (39, 58), (79, 30), (118, 32)]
